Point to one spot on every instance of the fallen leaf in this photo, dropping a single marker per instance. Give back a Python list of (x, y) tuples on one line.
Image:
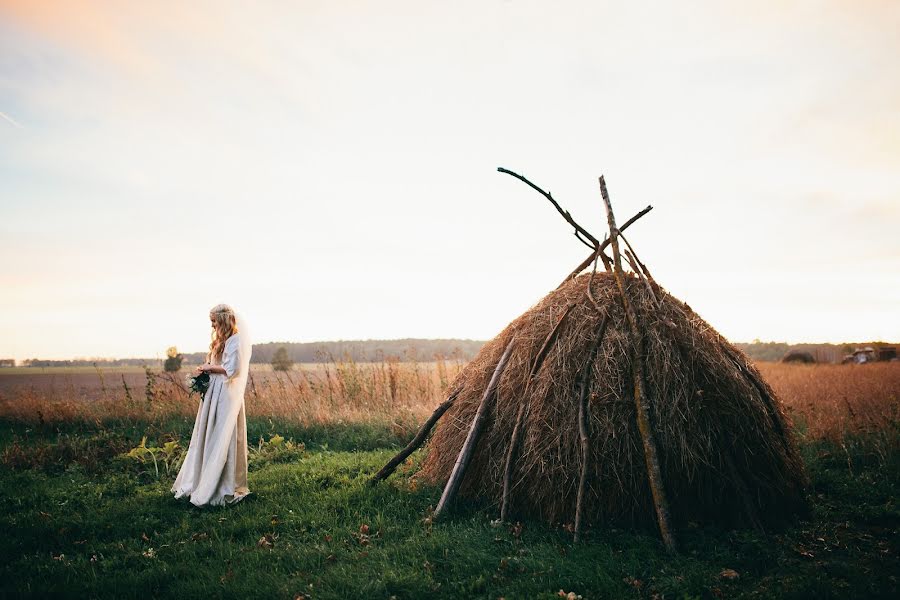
[(729, 574)]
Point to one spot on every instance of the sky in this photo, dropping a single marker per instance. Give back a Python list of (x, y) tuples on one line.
[(329, 168)]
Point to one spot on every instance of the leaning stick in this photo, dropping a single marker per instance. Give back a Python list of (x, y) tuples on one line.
[(599, 250), (579, 230), (635, 266), (583, 419), (465, 454), (654, 474), (643, 271), (417, 441), (520, 415), (642, 266)]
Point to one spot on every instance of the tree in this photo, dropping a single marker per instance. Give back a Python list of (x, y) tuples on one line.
[(173, 362), (281, 361)]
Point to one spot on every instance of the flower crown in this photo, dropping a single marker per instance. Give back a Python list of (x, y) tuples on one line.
[(221, 309)]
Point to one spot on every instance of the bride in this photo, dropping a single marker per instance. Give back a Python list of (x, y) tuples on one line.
[(215, 468)]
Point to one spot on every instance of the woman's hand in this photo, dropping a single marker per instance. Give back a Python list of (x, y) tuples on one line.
[(211, 368)]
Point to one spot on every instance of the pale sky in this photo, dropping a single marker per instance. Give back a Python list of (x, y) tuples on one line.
[(329, 167)]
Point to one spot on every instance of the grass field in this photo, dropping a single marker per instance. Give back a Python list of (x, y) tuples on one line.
[(83, 519)]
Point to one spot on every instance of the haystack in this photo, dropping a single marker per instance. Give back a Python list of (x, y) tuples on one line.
[(799, 356), (611, 401)]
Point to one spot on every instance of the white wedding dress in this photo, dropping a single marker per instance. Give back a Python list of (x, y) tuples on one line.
[(215, 468)]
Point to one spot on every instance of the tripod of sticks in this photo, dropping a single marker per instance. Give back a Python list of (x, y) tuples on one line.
[(611, 264)]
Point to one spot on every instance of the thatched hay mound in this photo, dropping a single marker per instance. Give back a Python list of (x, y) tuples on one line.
[(724, 442), (799, 356)]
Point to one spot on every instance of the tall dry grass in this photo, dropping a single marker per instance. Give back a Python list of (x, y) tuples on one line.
[(843, 404), (334, 391), (832, 402)]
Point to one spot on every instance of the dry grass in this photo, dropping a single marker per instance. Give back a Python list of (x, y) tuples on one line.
[(830, 402), (842, 404), (340, 390)]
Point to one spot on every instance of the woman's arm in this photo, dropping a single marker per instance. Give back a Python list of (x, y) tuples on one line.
[(210, 368)]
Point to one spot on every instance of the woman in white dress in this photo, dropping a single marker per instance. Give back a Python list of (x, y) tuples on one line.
[(215, 467)]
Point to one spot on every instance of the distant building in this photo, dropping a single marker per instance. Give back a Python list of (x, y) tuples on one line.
[(7, 362), (887, 353)]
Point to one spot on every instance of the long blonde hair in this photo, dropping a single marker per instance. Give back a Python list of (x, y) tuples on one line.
[(224, 325)]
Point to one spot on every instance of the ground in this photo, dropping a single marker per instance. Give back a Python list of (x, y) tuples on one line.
[(80, 520)]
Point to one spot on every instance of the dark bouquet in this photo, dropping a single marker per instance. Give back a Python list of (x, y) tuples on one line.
[(199, 383)]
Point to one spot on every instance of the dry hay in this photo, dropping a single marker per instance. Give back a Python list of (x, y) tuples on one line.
[(724, 442), (798, 356)]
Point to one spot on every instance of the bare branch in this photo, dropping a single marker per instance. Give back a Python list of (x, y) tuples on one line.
[(584, 241), (651, 453), (584, 424), (468, 448), (587, 262), (417, 441), (517, 428), (565, 214)]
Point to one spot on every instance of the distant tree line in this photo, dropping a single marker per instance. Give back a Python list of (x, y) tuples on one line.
[(360, 350), (90, 362), (823, 353), (364, 350), (422, 350)]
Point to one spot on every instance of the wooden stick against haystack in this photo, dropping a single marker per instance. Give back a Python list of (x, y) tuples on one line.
[(651, 454), (583, 421), (599, 250), (517, 428), (417, 441), (468, 447), (597, 247), (642, 270)]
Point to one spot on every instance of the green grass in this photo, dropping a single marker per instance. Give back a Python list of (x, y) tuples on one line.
[(109, 528)]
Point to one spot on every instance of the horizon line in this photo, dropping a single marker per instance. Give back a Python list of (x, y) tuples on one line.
[(115, 358)]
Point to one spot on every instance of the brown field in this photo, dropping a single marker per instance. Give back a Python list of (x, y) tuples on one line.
[(840, 402), (826, 401), (403, 392)]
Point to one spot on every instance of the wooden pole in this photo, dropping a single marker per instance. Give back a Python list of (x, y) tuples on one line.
[(583, 425), (520, 415), (599, 250), (417, 441), (651, 455), (468, 447)]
